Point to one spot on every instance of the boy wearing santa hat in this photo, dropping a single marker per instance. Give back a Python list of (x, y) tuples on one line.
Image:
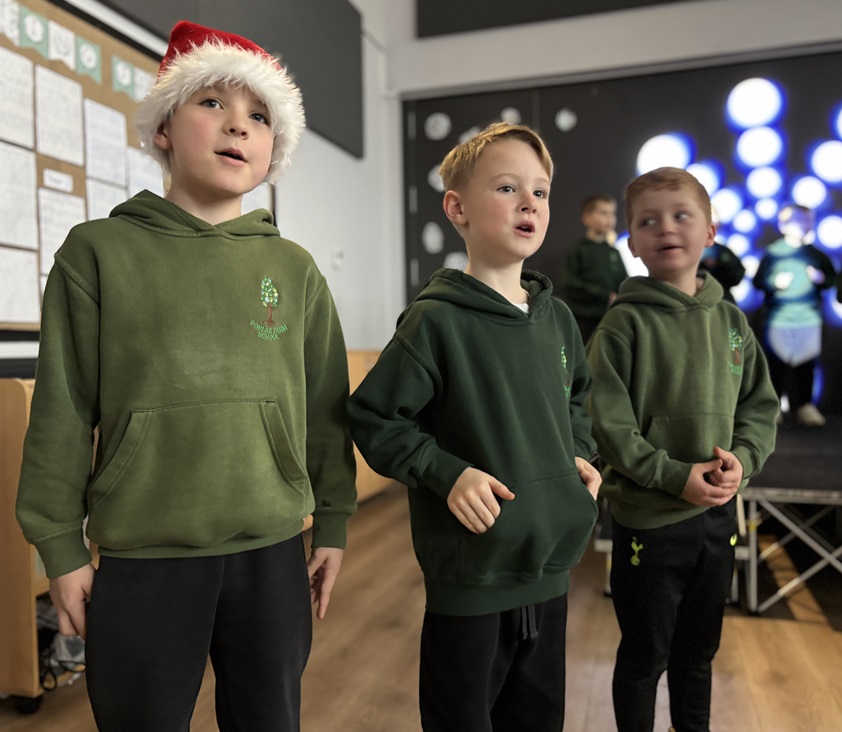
[(207, 352)]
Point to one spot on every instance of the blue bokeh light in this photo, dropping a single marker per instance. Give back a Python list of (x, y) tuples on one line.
[(766, 208), (829, 231), (745, 221), (764, 182), (708, 173), (727, 203), (673, 149), (809, 191), (759, 146), (754, 102), (826, 161)]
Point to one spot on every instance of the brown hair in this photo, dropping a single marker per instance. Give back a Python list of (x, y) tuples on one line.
[(666, 178), (460, 161), (591, 202)]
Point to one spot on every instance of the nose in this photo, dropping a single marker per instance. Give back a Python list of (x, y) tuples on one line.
[(238, 130), (529, 203)]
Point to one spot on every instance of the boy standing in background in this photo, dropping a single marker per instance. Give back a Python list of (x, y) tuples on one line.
[(208, 353), (477, 405), (593, 269), (683, 413)]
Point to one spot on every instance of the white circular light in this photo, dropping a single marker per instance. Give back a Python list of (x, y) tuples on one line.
[(456, 260), (754, 102), (727, 204), (511, 115), (809, 191), (739, 244), (706, 174), (437, 126), (826, 161), (759, 146), (434, 179), (829, 231), (566, 119), (663, 150), (838, 123), (751, 263), (766, 208), (468, 134), (764, 182), (432, 237), (745, 221)]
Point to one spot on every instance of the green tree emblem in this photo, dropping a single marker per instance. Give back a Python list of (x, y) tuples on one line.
[(269, 298), (735, 342), (635, 560)]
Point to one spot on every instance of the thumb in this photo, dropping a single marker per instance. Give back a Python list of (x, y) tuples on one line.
[(712, 465), (500, 490)]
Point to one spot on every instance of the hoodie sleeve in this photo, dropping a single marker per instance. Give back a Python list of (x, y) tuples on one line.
[(615, 425), (580, 420), (757, 408), (330, 454), (58, 449), (384, 418)]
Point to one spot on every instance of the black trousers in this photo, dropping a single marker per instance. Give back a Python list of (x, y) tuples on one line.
[(669, 587), (153, 622), (794, 381), (503, 672)]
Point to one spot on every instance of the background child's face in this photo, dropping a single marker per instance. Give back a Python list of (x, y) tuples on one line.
[(601, 219), (669, 231), (502, 209), (219, 142)]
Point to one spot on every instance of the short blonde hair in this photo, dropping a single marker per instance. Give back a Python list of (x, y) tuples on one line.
[(671, 179), (460, 161)]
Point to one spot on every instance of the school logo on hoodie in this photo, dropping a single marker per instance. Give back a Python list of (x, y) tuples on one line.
[(735, 344), (268, 329), (568, 380)]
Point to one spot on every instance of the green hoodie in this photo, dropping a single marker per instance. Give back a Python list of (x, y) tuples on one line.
[(212, 361), (471, 380), (673, 376)]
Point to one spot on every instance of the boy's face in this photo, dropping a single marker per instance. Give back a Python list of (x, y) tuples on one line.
[(600, 220), (669, 232), (219, 144), (502, 209)]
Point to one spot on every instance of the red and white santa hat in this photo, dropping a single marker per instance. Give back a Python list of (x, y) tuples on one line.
[(197, 57)]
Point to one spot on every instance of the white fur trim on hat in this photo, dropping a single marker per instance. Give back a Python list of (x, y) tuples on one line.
[(217, 63)]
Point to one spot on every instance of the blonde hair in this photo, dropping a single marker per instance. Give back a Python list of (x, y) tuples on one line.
[(460, 161), (671, 179)]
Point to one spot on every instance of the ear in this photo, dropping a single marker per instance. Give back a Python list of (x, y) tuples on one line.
[(452, 204), (162, 137), (711, 235), (632, 247)]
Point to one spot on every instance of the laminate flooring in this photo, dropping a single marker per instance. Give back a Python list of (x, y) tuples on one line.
[(772, 674)]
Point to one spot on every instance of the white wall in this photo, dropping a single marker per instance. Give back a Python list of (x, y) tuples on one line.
[(348, 212), (587, 45)]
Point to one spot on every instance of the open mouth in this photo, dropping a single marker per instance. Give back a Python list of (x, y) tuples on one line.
[(526, 228), (233, 154)]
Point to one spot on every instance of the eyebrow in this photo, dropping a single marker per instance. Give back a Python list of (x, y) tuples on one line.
[(542, 181)]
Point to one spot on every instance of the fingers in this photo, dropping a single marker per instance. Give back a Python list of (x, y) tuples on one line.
[(500, 490), (321, 587)]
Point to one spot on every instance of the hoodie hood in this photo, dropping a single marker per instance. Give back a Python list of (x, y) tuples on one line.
[(152, 212), (649, 291), (458, 288)]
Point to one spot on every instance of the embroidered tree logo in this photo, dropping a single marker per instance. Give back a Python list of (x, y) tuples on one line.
[(735, 342), (567, 384), (269, 298), (635, 560)]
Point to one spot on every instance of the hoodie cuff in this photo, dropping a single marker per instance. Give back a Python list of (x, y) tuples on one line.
[(330, 530), (442, 473), (63, 554)]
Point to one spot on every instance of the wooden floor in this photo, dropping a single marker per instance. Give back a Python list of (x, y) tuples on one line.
[(770, 675)]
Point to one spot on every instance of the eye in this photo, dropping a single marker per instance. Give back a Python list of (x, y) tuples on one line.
[(211, 102), (506, 188), (260, 117), (540, 193), (646, 222), (681, 215)]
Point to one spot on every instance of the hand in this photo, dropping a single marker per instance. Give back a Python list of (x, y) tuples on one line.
[(70, 594), (700, 492), (590, 476), (473, 500), (730, 474), (323, 567), (815, 275), (783, 280)]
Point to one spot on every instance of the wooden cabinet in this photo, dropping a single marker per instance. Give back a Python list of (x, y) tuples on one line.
[(22, 577), (368, 482)]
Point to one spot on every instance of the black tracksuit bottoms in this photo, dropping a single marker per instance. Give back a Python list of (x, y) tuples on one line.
[(669, 587), (503, 672), (153, 623)]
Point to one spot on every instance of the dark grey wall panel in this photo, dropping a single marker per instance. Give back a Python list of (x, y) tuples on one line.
[(319, 41), (438, 17)]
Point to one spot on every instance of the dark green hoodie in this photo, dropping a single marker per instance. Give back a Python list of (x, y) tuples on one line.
[(471, 380), (212, 360), (673, 376)]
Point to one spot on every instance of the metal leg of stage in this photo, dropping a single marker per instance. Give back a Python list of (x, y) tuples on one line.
[(798, 528)]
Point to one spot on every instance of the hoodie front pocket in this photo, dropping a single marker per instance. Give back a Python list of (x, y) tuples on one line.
[(545, 528), (198, 474)]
